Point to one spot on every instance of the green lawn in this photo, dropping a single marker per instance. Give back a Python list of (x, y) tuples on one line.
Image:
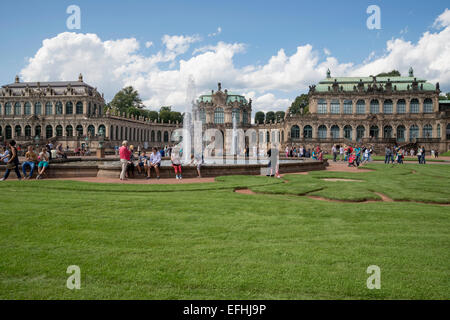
[(447, 154), (407, 158), (204, 241)]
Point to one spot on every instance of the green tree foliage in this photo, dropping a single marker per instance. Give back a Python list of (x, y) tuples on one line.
[(279, 115), (444, 96), (270, 116), (393, 73), (300, 105), (126, 100), (166, 114), (259, 117)]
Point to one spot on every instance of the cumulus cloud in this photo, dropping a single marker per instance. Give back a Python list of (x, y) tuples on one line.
[(148, 44), (112, 64)]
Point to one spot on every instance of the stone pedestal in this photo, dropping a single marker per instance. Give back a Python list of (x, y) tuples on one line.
[(100, 152)]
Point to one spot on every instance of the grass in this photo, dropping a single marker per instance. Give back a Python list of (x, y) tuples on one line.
[(446, 154), (407, 158), (204, 241)]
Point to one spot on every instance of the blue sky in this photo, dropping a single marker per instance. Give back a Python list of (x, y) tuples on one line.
[(262, 27)]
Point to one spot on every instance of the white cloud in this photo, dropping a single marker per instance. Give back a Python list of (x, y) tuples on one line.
[(148, 44), (443, 20), (326, 51), (404, 30), (112, 64), (219, 31)]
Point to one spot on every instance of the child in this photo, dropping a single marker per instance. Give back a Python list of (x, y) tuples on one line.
[(176, 163), (43, 163), (352, 160), (197, 161), (142, 163)]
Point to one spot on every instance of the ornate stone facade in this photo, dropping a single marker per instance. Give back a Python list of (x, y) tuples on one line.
[(71, 113)]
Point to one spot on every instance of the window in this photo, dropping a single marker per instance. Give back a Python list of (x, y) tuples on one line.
[(69, 107), (414, 106), (27, 131), (447, 131), (166, 136), (361, 107), (235, 114), (37, 108), (322, 106), (18, 131), (37, 131), (48, 131), (335, 107), (1, 131), (158, 136), (48, 108), (295, 132), (322, 132), (428, 131), (348, 132), (202, 115), (413, 132), (387, 107), (91, 130), (219, 116), (387, 132), (58, 108), (401, 106), (59, 131), (8, 132), (17, 109), (267, 136), (8, 109), (152, 136), (374, 106), (335, 132), (428, 105), (438, 131), (69, 131), (245, 117), (348, 107), (360, 132), (401, 133), (79, 107), (79, 129), (307, 132), (27, 108), (373, 132), (102, 129)]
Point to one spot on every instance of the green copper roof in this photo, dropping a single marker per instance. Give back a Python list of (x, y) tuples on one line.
[(444, 101), (230, 98)]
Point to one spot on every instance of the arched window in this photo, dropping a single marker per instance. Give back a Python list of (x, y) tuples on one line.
[(447, 131), (374, 131), (37, 131), (79, 129), (335, 132), (245, 117), (414, 106), (401, 133), (360, 132), (374, 106), (121, 133), (117, 133), (8, 132), (59, 131), (387, 106), (202, 115), (38, 108), (69, 131), (428, 105), (307, 132), (335, 107), (413, 132), (58, 107), (48, 131), (1, 131), (401, 106), (236, 115), (166, 136), (18, 131), (348, 107), (427, 131), (8, 109), (219, 116), (69, 107), (322, 132), (322, 106), (267, 136), (282, 136), (27, 108), (295, 132), (79, 107), (17, 109), (27, 131), (387, 132), (438, 130), (348, 132), (361, 107), (48, 108), (158, 136), (152, 136), (102, 128), (91, 130)]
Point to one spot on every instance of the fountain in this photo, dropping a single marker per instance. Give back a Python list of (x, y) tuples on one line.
[(188, 123)]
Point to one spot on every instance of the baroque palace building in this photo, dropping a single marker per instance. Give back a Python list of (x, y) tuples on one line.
[(71, 113)]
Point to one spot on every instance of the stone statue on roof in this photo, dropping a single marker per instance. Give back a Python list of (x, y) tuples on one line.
[(411, 72), (328, 73)]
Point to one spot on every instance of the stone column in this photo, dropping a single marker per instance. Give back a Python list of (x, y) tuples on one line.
[(408, 105), (420, 105), (328, 106), (341, 106), (354, 133), (394, 106), (315, 129), (85, 107), (33, 108)]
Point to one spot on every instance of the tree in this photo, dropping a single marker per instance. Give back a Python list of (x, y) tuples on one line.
[(166, 114), (393, 73), (300, 105), (126, 100), (270, 116), (259, 117), (445, 96), (279, 115)]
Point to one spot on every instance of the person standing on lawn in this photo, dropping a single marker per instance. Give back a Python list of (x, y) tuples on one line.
[(334, 151), (125, 155), (13, 162)]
